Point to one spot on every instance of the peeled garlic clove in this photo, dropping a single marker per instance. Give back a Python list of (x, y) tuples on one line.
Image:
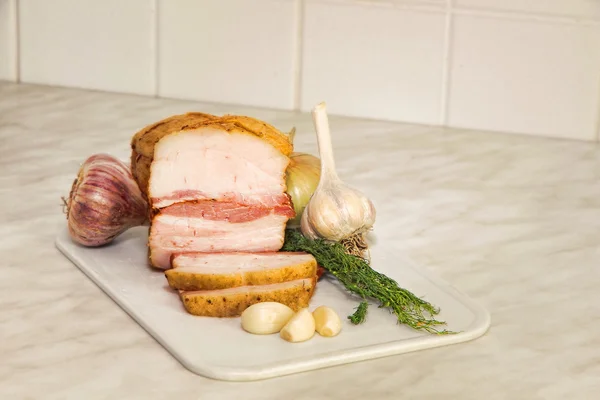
[(327, 322), (299, 328), (265, 318)]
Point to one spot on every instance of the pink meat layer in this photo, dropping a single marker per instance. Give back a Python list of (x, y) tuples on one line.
[(266, 200), (227, 211), (210, 227)]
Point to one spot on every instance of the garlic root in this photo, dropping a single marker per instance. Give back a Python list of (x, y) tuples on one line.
[(266, 318), (299, 328), (357, 245), (327, 322)]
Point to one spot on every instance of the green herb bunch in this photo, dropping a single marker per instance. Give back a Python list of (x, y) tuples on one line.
[(358, 277)]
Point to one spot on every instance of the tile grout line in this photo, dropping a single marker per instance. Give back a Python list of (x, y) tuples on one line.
[(525, 16), (155, 49), (446, 64), (298, 54), (16, 50), (475, 11), (598, 112), (408, 6)]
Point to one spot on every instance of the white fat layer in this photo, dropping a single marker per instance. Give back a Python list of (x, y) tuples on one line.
[(216, 163), (173, 234), (170, 223), (235, 263)]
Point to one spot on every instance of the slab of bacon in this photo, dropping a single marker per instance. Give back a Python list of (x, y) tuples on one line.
[(218, 209)]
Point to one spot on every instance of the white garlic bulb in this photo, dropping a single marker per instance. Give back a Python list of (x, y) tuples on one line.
[(336, 211)]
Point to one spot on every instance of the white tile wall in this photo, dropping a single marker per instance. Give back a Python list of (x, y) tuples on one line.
[(105, 45), (8, 40), (513, 75), (363, 70), (230, 51), (506, 65)]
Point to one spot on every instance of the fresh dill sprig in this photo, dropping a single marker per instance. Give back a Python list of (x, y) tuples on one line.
[(358, 277), (360, 314)]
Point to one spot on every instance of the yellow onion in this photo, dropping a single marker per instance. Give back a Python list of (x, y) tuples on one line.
[(302, 178)]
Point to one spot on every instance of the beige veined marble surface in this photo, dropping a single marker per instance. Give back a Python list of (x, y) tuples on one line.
[(512, 221)]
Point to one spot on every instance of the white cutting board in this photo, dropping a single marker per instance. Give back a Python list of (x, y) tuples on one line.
[(220, 349)]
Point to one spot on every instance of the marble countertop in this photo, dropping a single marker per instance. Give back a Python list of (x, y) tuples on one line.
[(512, 221)]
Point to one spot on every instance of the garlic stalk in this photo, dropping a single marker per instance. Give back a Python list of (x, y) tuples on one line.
[(336, 211)]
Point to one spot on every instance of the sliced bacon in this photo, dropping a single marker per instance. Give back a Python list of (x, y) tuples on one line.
[(175, 234), (225, 211), (214, 164), (231, 302), (216, 191), (211, 271)]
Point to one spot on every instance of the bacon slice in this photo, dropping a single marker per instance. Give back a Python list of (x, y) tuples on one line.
[(210, 163), (218, 211), (212, 190), (233, 301), (170, 234), (209, 271)]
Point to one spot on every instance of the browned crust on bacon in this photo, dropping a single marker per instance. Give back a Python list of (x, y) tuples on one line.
[(144, 141), (213, 304), (181, 279)]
